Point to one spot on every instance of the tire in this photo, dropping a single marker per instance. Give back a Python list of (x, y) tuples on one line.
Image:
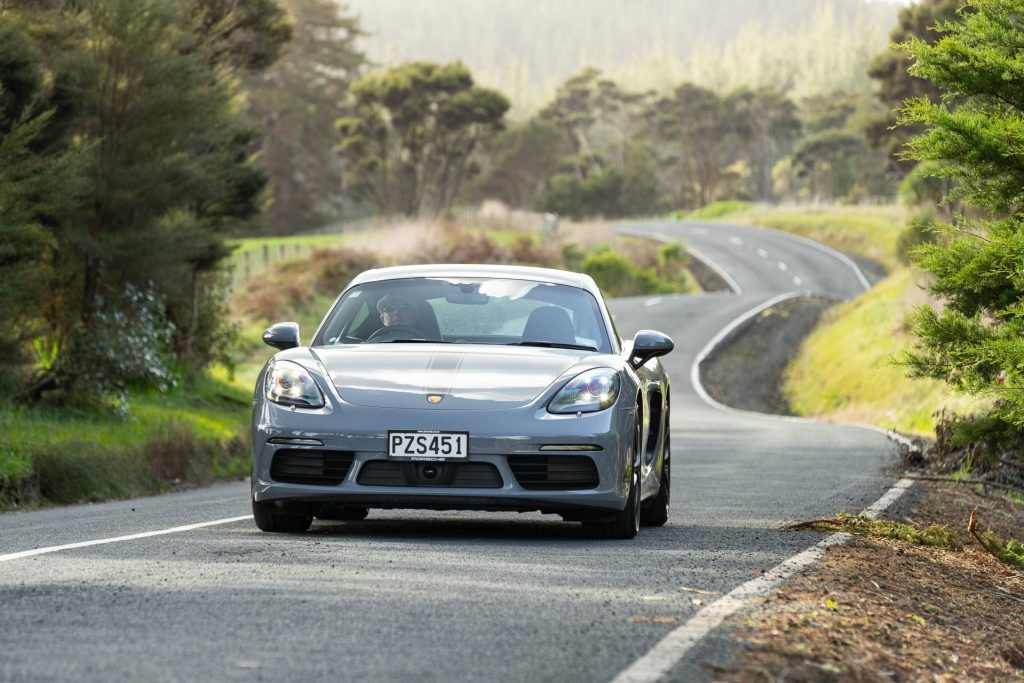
[(626, 524), (268, 518), (655, 512), (344, 514)]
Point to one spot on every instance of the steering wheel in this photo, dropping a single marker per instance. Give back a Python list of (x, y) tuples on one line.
[(386, 334)]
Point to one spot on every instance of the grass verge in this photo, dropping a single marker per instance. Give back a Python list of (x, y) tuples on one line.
[(194, 433), (844, 370)]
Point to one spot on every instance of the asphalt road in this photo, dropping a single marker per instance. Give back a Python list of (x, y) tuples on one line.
[(424, 596)]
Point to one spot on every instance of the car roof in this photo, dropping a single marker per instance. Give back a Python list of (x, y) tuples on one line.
[(549, 275)]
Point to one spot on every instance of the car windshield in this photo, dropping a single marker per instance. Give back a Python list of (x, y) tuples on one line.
[(467, 311)]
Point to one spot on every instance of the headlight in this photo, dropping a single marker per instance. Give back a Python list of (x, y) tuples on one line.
[(588, 392), (289, 384)]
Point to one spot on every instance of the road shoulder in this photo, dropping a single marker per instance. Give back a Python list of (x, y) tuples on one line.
[(878, 608)]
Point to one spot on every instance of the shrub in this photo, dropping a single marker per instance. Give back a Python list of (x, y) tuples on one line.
[(617, 276)]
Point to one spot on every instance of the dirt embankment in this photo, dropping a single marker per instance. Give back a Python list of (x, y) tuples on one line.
[(885, 609)]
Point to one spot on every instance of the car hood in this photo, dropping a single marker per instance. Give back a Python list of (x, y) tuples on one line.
[(466, 377)]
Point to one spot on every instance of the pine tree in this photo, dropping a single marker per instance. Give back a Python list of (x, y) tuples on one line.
[(296, 102), (975, 135)]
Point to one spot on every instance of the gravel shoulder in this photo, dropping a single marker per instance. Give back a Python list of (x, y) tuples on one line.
[(746, 370)]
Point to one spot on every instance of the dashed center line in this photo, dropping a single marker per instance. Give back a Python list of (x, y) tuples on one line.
[(653, 302), (782, 266), (735, 240), (797, 281), (762, 253)]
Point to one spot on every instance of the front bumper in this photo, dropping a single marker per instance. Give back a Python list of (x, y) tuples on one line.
[(363, 435)]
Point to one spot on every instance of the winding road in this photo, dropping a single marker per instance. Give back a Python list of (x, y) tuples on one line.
[(425, 596)]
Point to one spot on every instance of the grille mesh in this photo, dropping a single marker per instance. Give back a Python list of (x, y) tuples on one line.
[(305, 466), (554, 473)]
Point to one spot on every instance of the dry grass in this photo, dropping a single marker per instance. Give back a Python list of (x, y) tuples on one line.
[(888, 609), (935, 535)]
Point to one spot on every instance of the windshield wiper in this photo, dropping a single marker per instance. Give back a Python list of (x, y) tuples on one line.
[(552, 345)]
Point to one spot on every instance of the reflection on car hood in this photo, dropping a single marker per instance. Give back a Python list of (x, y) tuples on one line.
[(466, 377)]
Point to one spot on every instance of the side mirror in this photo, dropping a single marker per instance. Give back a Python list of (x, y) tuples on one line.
[(648, 344), (282, 336)]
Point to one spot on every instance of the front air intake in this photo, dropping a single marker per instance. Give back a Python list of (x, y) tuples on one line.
[(308, 466), (470, 475), (554, 472)]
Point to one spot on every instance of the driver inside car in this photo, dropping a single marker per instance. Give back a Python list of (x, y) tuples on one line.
[(395, 309)]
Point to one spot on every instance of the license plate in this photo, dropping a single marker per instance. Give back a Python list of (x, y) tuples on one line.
[(428, 445)]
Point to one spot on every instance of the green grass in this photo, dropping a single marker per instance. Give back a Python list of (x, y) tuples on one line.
[(718, 210), (195, 432), (844, 369), (869, 231)]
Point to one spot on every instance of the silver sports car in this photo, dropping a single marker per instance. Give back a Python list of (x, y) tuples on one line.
[(464, 387)]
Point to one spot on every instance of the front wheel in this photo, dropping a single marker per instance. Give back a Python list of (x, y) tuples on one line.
[(655, 511), (269, 518)]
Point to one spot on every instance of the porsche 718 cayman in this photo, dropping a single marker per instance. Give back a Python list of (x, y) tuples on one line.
[(464, 387)]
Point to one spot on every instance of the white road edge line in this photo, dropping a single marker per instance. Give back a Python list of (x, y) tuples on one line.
[(708, 261), (659, 660), (719, 270), (729, 329), (117, 539)]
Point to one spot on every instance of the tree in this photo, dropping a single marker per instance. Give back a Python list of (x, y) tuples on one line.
[(35, 186), (145, 96), (973, 135), (519, 161), (896, 84), (767, 127), (246, 34), (826, 161), (696, 126), (408, 143), (296, 102)]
